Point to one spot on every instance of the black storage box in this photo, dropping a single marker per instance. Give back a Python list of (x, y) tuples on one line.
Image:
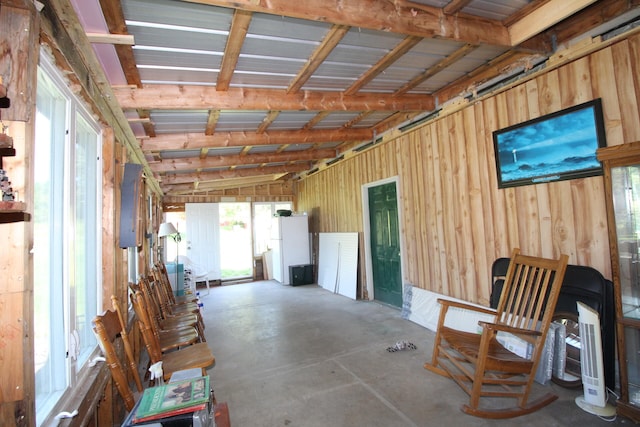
[(301, 274)]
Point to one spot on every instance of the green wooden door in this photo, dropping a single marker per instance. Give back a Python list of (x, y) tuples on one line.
[(385, 244)]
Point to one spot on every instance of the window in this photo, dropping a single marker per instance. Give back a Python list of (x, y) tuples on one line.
[(67, 227), (263, 214)]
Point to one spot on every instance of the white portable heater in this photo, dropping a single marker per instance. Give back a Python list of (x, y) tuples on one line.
[(594, 399)]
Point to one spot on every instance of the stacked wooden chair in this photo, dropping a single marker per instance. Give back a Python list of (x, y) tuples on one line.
[(160, 273), (169, 339), (157, 309), (479, 363), (168, 304), (173, 304), (197, 355), (107, 327)]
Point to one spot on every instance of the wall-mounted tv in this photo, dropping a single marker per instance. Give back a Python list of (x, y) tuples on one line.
[(558, 146)]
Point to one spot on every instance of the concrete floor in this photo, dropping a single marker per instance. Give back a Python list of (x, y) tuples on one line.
[(304, 357)]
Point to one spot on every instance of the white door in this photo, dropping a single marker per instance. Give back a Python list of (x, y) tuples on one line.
[(203, 237)]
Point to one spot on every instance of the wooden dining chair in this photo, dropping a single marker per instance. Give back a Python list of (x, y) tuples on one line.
[(107, 327), (168, 309), (169, 339), (167, 302), (164, 321), (160, 273), (481, 365), (198, 355)]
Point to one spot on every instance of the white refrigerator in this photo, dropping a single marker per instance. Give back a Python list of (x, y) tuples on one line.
[(290, 245)]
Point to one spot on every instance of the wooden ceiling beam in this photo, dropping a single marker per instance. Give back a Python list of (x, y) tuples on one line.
[(398, 16), (184, 178), (226, 184), (114, 17), (193, 141), (148, 126), (316, 119), (266, 122), (235, 40), (193, 163), (588, 19), (193, 97), (212, 121), (357, 119), (539, 19), (330, 41), (455, 6), (232, 183), (435, 69), (114, 39), (403, 47)]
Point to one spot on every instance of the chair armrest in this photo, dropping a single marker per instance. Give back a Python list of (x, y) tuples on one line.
[(509, 329), (450, 303)]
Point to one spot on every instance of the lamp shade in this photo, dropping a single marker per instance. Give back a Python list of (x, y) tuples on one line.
[(166, 229)]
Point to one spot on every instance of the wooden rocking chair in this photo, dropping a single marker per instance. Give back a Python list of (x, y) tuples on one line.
[(479, 363)]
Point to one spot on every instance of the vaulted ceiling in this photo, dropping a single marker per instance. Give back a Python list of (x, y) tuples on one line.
[(224, 94)]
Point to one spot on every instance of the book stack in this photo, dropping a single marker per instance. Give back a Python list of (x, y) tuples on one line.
[(182, 403)]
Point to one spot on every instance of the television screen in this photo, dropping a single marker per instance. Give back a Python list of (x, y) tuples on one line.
[(554, 147)]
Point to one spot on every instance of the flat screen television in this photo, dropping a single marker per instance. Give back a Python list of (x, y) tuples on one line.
[(554, 147)]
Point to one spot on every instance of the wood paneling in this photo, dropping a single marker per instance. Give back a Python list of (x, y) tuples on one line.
[(455, 220)]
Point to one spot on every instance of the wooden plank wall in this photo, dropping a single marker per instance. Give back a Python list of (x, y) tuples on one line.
[(455, 220)]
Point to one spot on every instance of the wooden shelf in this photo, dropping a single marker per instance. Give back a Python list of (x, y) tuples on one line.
[(8, 217), (7, 152), (13, 212)]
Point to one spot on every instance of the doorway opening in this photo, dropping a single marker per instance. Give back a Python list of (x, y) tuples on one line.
[(236, 260), (241, 233), (381, 217)]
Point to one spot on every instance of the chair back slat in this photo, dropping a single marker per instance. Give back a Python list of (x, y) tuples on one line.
[(150, 299), (162, 277), (150, 341), (133, 366), (107, 328), (531, 285)]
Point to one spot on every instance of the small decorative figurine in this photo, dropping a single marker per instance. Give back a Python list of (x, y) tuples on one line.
[(5, 186)]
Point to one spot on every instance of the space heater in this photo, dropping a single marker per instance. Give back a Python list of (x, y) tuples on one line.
[(594, 399)]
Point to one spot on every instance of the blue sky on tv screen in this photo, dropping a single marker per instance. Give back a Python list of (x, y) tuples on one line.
[(565, 143)]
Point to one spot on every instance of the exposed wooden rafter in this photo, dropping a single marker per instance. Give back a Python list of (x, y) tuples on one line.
[(192, 141), (270, 117), (432, 71), (239, 27), (184, 178), (384, 63), (232, 160), (330, 41), (543, 17), (229, 182), (399, 16), (194, 97), (114, 17), (125, 39), (455, 6)]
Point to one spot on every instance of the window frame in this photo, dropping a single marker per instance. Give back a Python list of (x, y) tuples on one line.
[(76, 119)]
